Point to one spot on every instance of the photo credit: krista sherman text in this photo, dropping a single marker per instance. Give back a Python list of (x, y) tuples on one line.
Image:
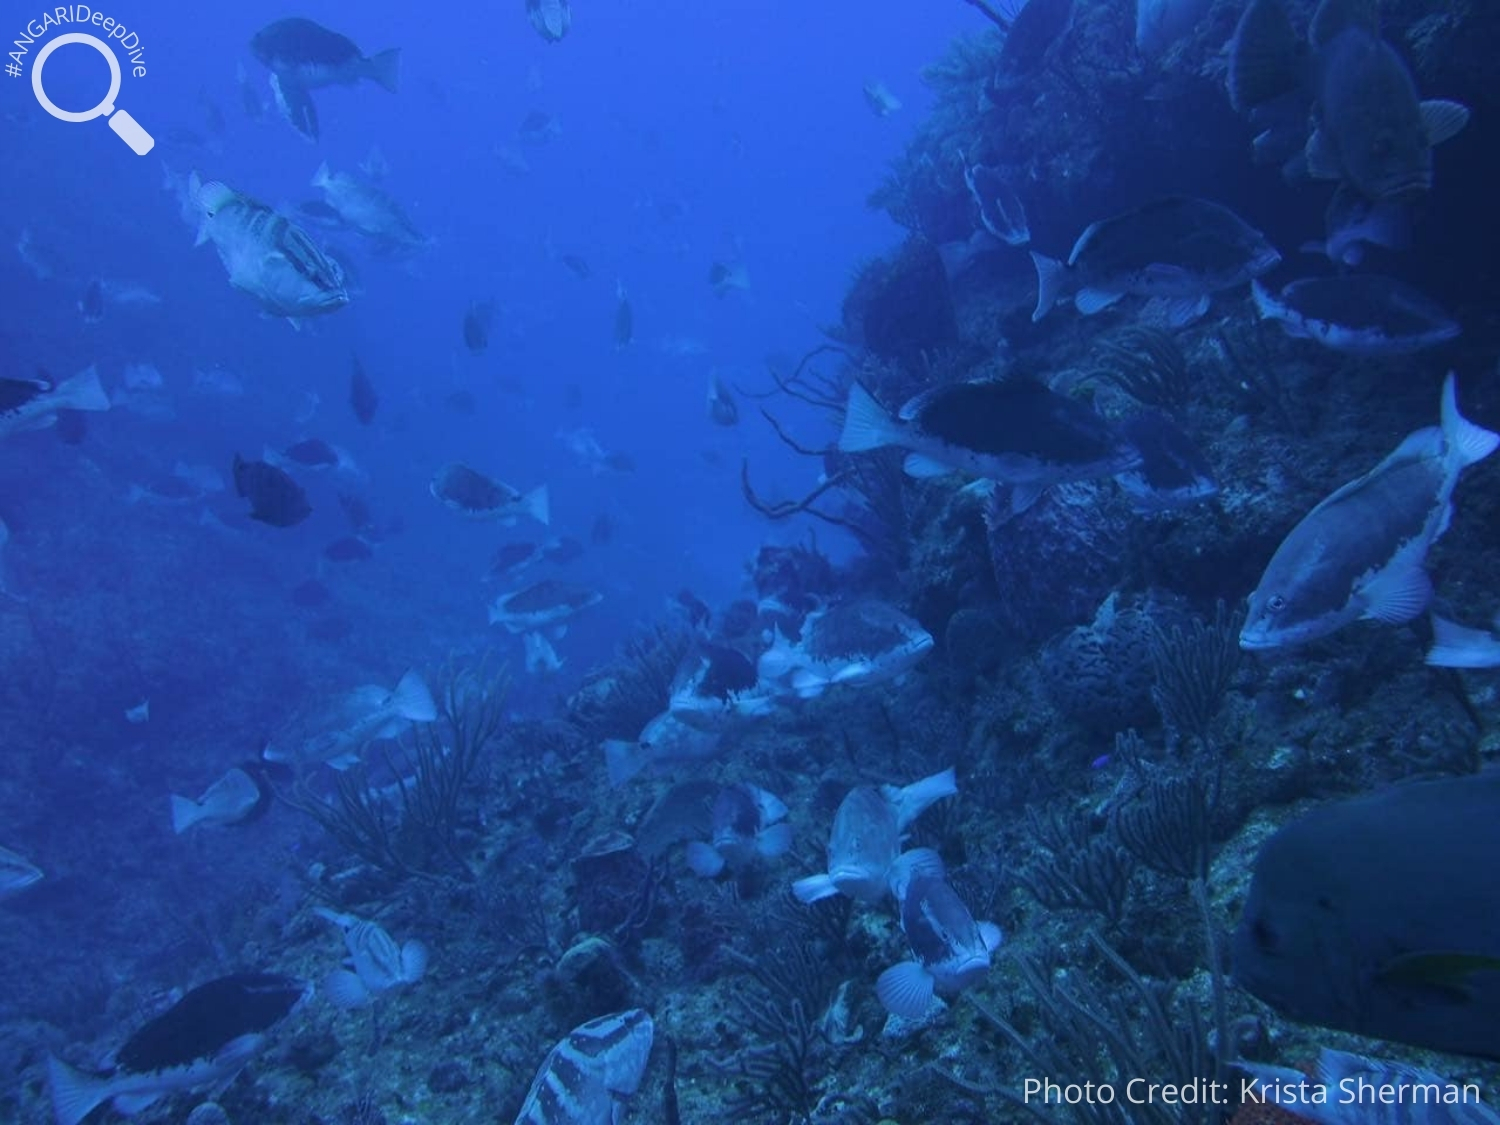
[(1350, 1091)]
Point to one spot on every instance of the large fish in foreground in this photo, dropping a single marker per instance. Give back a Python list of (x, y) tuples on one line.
[(1179, 250), (1360, 553), (588, 1077), (1378, 916), (1370, 128), (202, 1041), (1014, 430), (303, 56), (267, 255)]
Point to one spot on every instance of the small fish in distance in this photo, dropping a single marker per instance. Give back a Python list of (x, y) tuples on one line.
[(470, 493), (275, 498), (241, 795), (550, 18), (748, 824)]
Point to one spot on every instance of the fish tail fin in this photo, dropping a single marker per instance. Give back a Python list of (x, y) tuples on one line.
[(411, 700), (75, 1093), (1458, 646), (322, 177), (1465, 441), (1050, 278), (385, 68), (866, 423), (185, 814), (623, 760), (910, 800), (537, 505), (82, 392)]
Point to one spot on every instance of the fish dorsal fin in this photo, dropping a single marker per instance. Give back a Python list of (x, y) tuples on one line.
[(1335, 16), (1443, 119)]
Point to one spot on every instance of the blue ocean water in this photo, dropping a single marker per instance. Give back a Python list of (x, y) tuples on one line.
[(151, 640), (689, 134)]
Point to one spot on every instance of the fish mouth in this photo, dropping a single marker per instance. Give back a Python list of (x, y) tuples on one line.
[(1257, 640), (1405, 189)]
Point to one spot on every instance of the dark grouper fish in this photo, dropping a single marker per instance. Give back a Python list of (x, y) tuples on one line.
[(1012, 430), (1358, 313), (1178, 249), (302, 55), (275, 498), (201, 1041), (1359, 553), (1377, 915)]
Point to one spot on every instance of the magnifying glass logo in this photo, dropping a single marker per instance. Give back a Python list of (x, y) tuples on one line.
[(121, 123)]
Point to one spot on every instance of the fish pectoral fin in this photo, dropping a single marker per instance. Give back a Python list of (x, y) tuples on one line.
[(1446, 976), (132, 1104), (1443, 120), (814, 888), (1177, 312), (1090, 300), (906, 990), (1322, 161), (1398, 595), (922, 467)]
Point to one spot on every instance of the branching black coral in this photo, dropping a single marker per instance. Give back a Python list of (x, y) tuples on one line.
[(1194, 667)]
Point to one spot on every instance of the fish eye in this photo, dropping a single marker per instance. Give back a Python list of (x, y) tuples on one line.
[(1276, 603)]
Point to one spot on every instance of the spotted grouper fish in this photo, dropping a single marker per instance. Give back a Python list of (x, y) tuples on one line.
[(1360, 553), (588, 1077)]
